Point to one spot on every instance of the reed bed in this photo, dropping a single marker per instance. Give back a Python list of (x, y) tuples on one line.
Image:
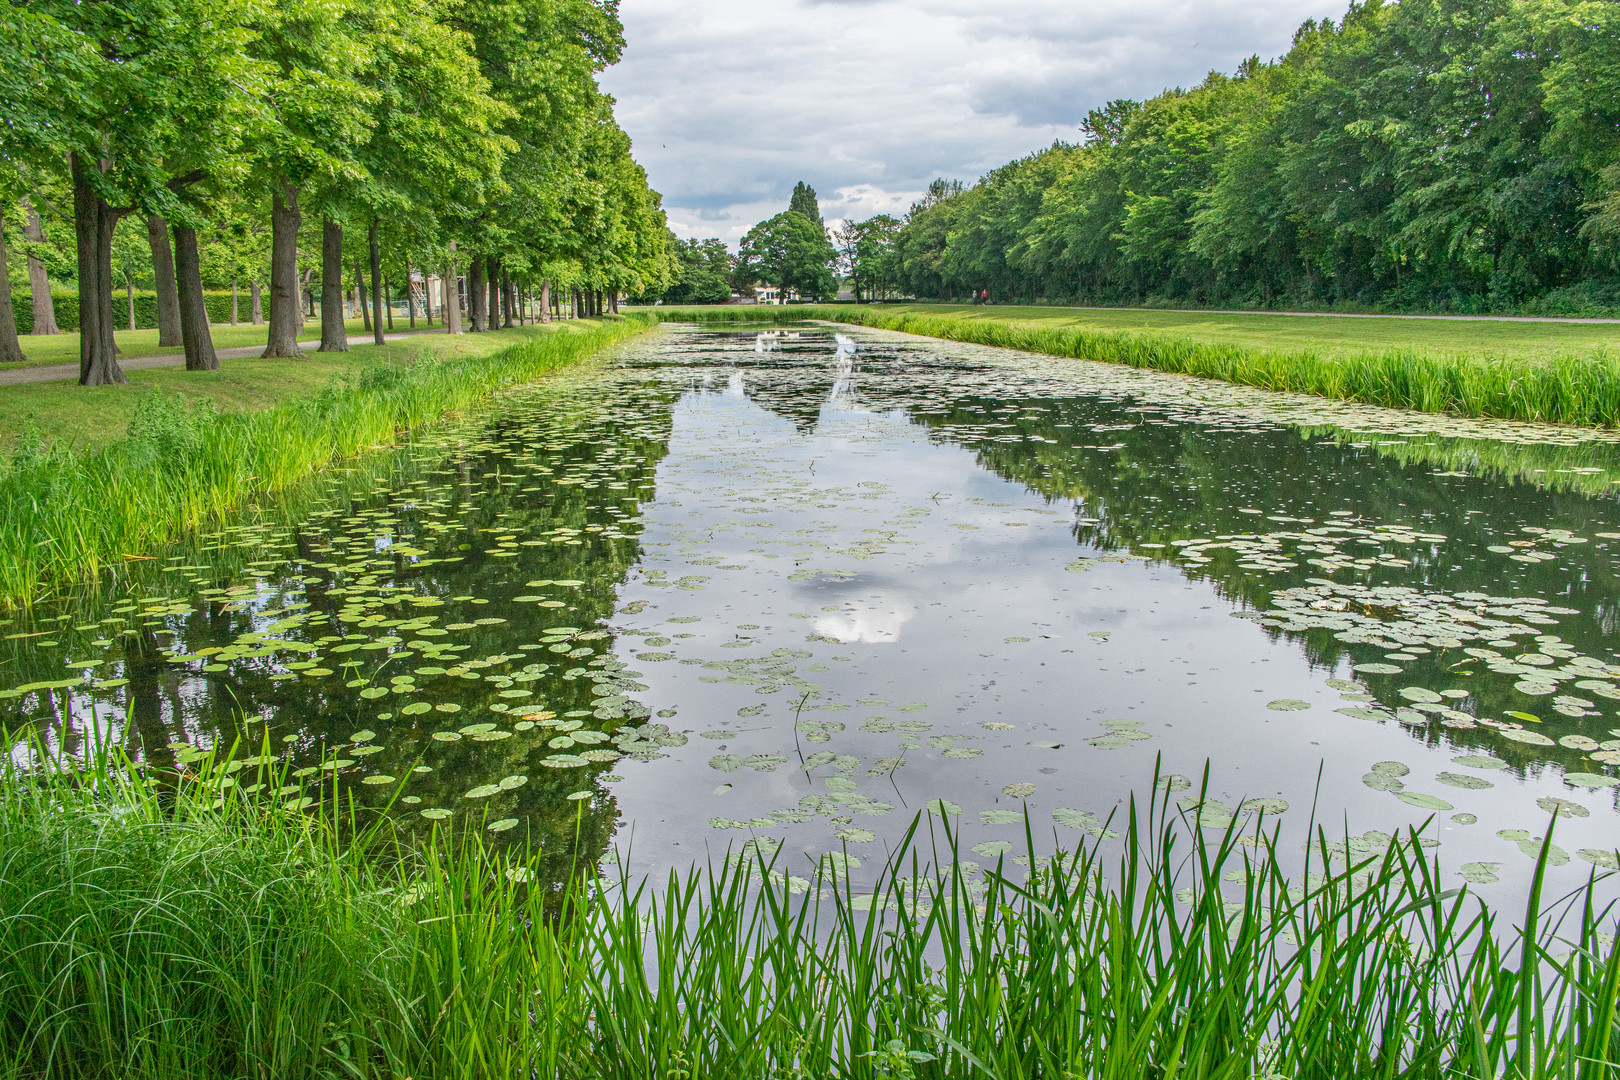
[(1582, 390), (66, 517), (154, 927)]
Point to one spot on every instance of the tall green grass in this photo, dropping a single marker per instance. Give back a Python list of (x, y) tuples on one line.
[(161, 929), (1564, 389), (66, 517)]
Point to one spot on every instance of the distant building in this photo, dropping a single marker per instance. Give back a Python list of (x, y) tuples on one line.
[(770, 294)]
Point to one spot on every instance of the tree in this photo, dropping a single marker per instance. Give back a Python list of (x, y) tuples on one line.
[(703, 273), (142, 98), (803, 201), (10, 348), (791, 252), (866, 249)]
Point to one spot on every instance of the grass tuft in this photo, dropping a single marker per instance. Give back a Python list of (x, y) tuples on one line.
[(154, 927)]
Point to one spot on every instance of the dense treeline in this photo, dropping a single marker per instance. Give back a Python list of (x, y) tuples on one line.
[(1458, 155), (328, 149)]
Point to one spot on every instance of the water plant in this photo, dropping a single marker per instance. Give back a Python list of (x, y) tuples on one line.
[(67, 517), (157, 925), (1567, 388)]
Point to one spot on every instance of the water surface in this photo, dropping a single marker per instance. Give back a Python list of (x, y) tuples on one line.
[(736, 586)]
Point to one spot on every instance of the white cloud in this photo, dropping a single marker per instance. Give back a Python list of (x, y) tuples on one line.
[(730, 102)]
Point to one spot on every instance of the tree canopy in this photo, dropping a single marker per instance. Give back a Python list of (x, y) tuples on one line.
[(1455, 155), (466, 137), (790, 251)]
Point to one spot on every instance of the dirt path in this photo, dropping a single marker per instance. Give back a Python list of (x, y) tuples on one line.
[(56, 372)]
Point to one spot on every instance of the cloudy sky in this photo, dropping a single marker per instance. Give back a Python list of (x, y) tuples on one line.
[(732, 101)]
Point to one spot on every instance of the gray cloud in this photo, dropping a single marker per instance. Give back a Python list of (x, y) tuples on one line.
[(731, 102)]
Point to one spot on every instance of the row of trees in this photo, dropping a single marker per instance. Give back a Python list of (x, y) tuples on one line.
[(794, 251), (1430, 154), (464, 137)]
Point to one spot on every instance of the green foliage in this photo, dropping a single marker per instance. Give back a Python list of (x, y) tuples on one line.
[(703, 273), (164, 924), (1442, 155), (473, 128), (790, 251), (867, 251), (803, 201)]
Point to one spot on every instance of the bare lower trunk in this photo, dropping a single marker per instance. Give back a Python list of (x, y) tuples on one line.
[(508, 300), (10, 348), (494, 283), (258, 304), (39, 282), (334, 336), (235, 312), (613, 301), (388, 303), (545, 301), (168, 300), (427, 297), (410, 296), (452, 295), (286, 299), (93, 225), (376, 286), (360, 296), (194, 335), (129, 295), (477, 296)]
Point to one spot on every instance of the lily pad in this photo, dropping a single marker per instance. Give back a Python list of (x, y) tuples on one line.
[(1288, 705)]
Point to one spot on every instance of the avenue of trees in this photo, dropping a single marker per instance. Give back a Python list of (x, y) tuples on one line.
[(1423, 155), (324, 149)]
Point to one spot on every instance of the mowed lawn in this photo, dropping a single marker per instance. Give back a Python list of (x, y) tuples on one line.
[(90, 417), (64, 348), (1323, 334)]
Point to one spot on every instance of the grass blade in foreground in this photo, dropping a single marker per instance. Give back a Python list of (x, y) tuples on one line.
[(152, 930)]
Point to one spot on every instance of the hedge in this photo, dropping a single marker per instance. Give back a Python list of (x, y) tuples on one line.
[(67, 309)]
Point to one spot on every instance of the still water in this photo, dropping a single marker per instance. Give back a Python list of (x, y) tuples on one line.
[(733, 587)]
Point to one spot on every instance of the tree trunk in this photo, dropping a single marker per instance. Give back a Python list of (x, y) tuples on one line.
[(10, 348), (286, 295), (129, 295), (257, 303), (493, 281), (39, 283), (360, 296), (334, 335), (234, 312), (376, 285), (388, 302), (477, 296), (508, 300), (168, 299), (613, 301), (93, 225), (199, 344), (545, 301), (410, 294), (451, 293)]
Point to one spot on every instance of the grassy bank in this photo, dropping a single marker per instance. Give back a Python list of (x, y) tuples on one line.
[(156, 931), (1556, 373), (68, 512)]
